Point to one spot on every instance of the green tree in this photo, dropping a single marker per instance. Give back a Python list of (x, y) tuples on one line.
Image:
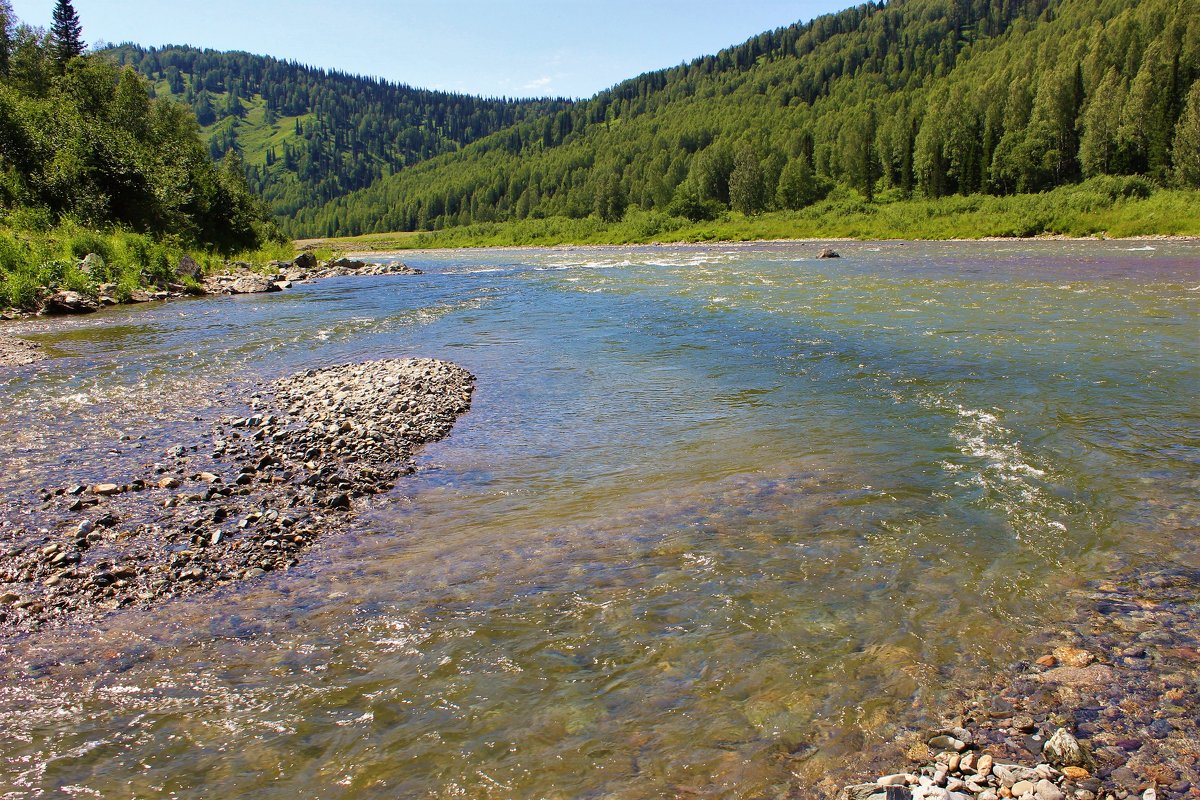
[(860, 157), (747, 187), (1186, 150), (1099, 145), (799, 186), (66, 33), (710, 173), (8, 24)]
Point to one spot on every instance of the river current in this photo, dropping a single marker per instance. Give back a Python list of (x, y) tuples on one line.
[(720, 517)]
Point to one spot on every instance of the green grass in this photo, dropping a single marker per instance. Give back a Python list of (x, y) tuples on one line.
[(1114, 207), (37, 258)]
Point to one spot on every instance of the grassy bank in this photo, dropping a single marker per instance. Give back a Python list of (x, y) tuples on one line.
[(1114, 207), (38, 259)]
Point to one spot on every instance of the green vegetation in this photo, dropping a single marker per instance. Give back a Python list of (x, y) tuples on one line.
[(913, 99), (91, 163), (1105, 206), (308, 135)]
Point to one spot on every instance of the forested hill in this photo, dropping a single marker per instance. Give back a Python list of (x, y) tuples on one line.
[(309, 135), (882, 102)]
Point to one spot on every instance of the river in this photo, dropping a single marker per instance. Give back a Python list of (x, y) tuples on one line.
[(721, 516)]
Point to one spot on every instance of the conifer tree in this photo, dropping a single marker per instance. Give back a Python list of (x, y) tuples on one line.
[(66, 33), (8, 22)]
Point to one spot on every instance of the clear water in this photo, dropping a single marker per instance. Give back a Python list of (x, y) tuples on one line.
[(720, 516)]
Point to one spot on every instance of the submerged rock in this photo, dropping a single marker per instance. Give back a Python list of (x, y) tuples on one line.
[(829, 252)]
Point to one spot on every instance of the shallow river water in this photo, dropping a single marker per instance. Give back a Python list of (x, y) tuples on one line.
[(720, 516)]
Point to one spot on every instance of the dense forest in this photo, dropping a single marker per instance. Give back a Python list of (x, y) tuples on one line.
[(90, 162), (913, 98), (307, 135)]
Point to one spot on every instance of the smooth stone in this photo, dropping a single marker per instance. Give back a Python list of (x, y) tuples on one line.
[(1045, 790), (1022, 788), (105, 488), (944, 742), (930, 793), (1009, 774), (1096, 676), (899, 779), (1073, 656)]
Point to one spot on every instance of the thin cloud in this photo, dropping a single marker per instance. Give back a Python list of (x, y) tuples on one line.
[(538, 85)]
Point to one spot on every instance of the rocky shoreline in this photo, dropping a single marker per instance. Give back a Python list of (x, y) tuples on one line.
[(247, 501), (1110, 710), (239, 277)]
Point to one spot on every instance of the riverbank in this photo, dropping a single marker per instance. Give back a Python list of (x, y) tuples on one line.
[(1093, 210), (247, 500), (237, 277)]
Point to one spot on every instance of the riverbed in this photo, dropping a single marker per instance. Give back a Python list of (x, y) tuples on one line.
[(720, 516)]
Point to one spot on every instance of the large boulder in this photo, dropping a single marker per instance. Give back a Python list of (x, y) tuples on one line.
[(65, 301), (253, 284), (829, 252), (188, 268), (348, 263), (92, 264), (305, 261)]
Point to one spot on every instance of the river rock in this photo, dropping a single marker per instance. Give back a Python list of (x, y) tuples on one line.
[(1095, 676), (65, 301), (1009, 774), (92, 264), (1022, 788), (305, 261), (253, 284), (1064, 750), (1073, 657), (829, 252), (1046, 790), (188, 268)]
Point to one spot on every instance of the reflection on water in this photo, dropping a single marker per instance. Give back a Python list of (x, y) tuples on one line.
[(719, 516)]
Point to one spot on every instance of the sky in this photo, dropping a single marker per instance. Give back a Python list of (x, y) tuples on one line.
[(570, 48)]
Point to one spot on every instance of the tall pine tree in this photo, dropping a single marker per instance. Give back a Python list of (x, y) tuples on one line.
[(66, 33)]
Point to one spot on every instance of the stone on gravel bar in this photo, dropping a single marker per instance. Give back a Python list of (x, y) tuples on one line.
[(1064, 750)]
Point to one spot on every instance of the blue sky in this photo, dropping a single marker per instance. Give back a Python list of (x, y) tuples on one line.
[(501, 47)]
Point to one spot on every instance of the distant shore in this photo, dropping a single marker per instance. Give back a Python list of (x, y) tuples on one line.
[(339, 245), (1082, 212)]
